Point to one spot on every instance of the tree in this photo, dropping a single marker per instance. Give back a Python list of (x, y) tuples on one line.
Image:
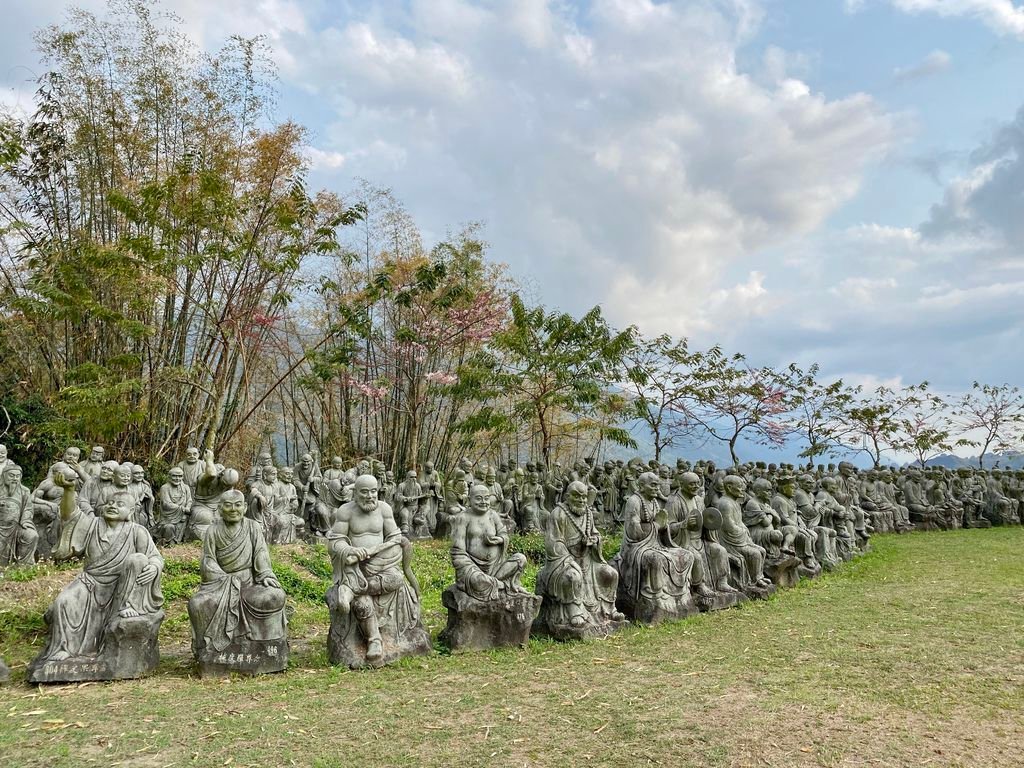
[(550, 365), (818, 411), (924, 427), (995, 413), (658, 378), (730, 398)]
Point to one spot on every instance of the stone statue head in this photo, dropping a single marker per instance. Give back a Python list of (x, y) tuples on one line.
[(846, 469), (191, 454), (491, 476), (12, 475), (306, 461), (118, 507), (480, 498), (762, 489), (107, 469), (176, 476), (577, 497), (365, 492), (648, 485), (690, 484), (287, 474), (428, 466), (232, 506), (97, 453), (337, 462), (138, 473), (787, 484), (72, 454), (734, 485), (828, 484), (265, 459), (411, 475), (270, 474), (123, 474)]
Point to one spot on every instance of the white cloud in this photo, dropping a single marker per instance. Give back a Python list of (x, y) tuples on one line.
[(321, 160), (1002, 16), (934, 63)]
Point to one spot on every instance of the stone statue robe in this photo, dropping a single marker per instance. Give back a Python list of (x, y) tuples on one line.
[(230, 603), (650, 565), (114, 558), (18, 534), (575, 580)]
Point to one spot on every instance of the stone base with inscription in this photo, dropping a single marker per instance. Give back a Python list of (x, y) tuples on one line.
[(479, 625), (655, 611), (246, 657), (401, 629), (129, 649), (719, 601)]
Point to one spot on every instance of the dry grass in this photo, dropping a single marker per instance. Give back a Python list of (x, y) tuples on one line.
[(912, 655)]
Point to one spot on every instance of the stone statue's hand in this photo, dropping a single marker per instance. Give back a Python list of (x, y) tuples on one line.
[(270, 581), (148, 575), (496, 541), (208, 455), (351, 558), (62, 480)]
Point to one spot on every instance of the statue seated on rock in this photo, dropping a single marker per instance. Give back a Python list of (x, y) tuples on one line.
[(374, 602), (238, 618), (794, 528), (834, 516), (18, 536), (487, 606), (811, 515), (578, 586), (735, 537), (654, 573), (104, 624), (686, 520), (767, 531)]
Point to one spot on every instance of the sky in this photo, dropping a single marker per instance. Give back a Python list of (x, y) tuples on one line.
[(831, 181)]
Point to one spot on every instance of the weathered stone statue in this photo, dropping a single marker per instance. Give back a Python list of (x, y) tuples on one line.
[(18, 536), (214, 480), (46, 508), (922, 514), (432, 487), (94, 487), (736, 539), (532, 503), (104, 624), (191, 468), (487, 605), (578, 586), (175, 504), (793, 526), (811, 515), (834, 516), (238, 619), (306, 477), (766, 529), (91, 466), (374, 602), (654, 573), (408, 499), (143, 493), (264, 460), (288, 526), (686, 518), (263, 501)]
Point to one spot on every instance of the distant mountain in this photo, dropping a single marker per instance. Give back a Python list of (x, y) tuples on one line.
[(1008, 460)]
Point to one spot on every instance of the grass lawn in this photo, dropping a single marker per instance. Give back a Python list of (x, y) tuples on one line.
[(912, 655)]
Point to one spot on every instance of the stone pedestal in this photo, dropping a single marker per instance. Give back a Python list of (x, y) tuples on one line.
[(597, 627), (719, 601), (130, 648), (809, 569), (401, 630), (783, 570), (668, 608), (247, 657), (479, 625), (756, 592)]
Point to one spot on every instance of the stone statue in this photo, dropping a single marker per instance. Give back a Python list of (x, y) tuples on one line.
[(794, 528), (307, 478), (408, 499), (263, 503), (175, 504), (263, 461), (104, 624), (767, 531), (91, 466), (432, 486), (374, 602), (18, 536), (143, 493), (735, 537), (487, 605), (834, 516), (686, 519), (237, 615), (191, 467), (532, 503), (577, 585), (811, 515), (93, 487), (288, 526), (214, 480), (654, 573)]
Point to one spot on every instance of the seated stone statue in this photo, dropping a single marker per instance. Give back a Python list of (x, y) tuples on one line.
[(175, 499), (578, 586), (18, 534), (767, 531), (214, 479), (811, 515), (686, 518), (654, 573), (104, 624), (263, 494), (735, 537), (834, 516), (374, 602), (793, 526), (411, 518), (922, 514), (487, 605), (238, 619)]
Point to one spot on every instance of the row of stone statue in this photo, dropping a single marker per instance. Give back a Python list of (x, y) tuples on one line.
[(691, 541)]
